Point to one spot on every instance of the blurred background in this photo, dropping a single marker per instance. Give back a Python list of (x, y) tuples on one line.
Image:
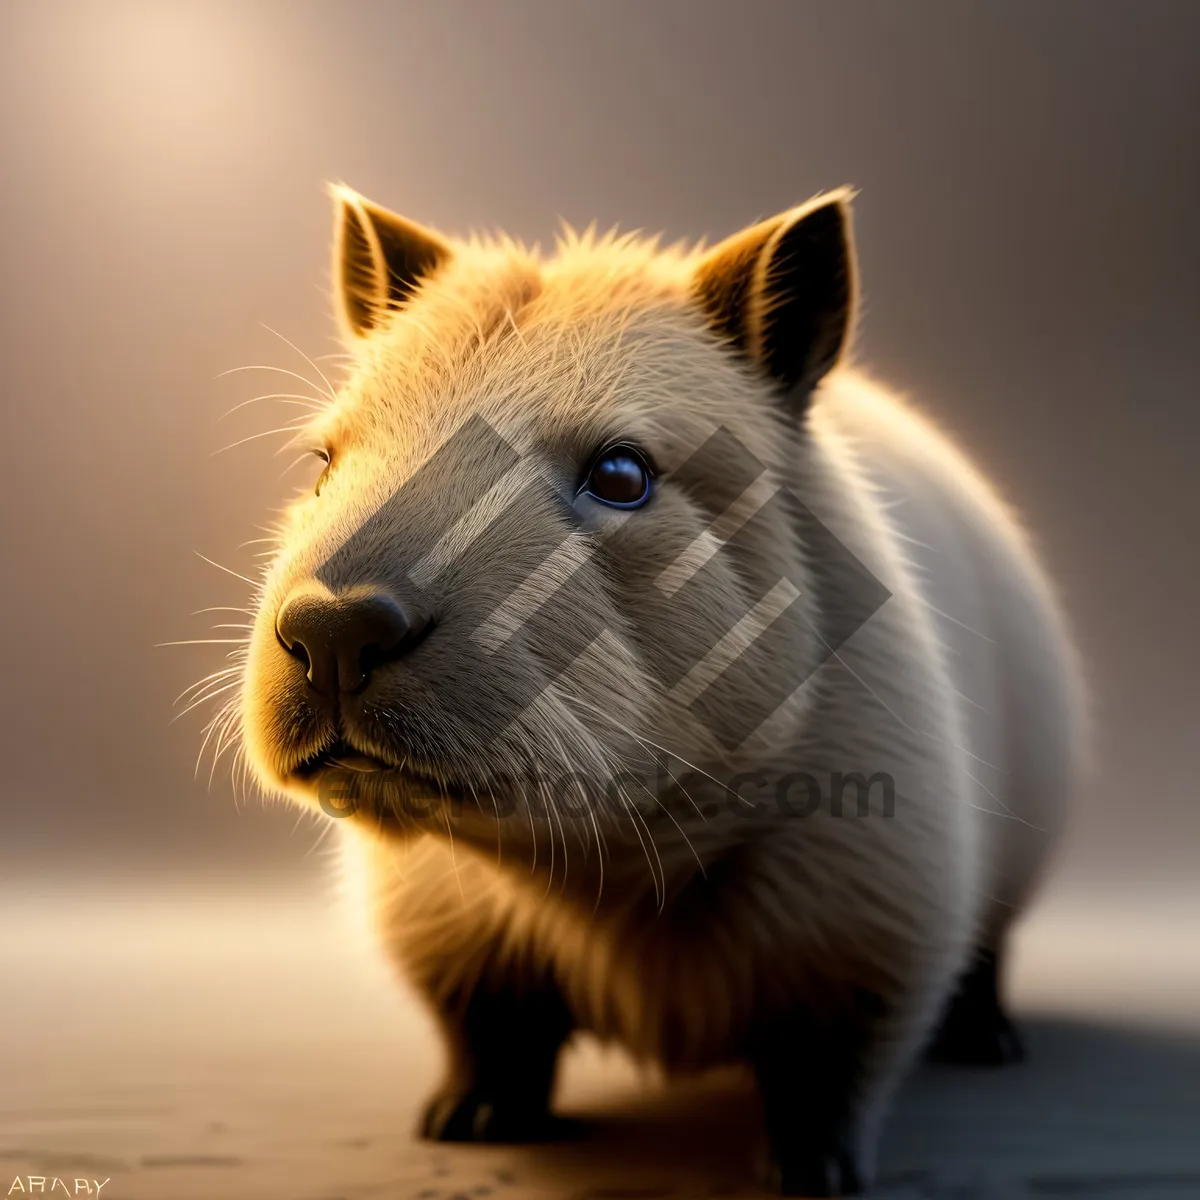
[(1030, 248), (1030, 183)]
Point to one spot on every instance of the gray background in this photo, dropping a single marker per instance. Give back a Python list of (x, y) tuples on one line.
[(1029, 238)]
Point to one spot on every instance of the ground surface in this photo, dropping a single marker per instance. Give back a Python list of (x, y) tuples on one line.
[(253, 1048)]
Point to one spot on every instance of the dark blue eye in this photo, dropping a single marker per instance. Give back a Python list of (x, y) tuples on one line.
[(619, 477)]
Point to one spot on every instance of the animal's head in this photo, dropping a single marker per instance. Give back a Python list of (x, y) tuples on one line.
[(504, 587)]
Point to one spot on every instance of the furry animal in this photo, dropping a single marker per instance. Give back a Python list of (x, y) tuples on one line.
[(616, 577)]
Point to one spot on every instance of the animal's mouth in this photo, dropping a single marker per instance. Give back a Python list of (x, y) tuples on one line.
[(341, 755)]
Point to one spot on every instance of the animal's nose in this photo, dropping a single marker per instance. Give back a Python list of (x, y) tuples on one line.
[(344, 638)]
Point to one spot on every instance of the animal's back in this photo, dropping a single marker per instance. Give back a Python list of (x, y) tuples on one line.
[(1007, 653)]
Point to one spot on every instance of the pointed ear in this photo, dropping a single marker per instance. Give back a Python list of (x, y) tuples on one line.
[(782, 292), (379, 259)]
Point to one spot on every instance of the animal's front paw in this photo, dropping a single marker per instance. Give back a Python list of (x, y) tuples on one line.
[(815, 1175), (473, 1116)]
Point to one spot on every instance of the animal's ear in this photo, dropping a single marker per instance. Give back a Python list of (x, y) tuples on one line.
[(379, 259), (782, 292)]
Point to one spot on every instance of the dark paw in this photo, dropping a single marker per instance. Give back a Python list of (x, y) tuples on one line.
[(474, 1117), (989, 1041), (834, 1174)]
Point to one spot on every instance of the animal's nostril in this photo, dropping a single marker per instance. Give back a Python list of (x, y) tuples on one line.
[(342, 639)]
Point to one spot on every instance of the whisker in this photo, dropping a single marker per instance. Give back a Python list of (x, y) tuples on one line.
[(212, 689), (228, 731), (556, 819), (203, 642), (326, 827), (499, 840), (650, 742), (300, 429), (278, 371), (222, 674), (599, 859), (955, 621), (238, 768), (670, 817), (225, 569), (453, 858), (294, 463), (324, 378), (284, 397), (929, 735), (204, 698), (1007, 812), (659, 896), (687, 794), (209, 729), (550, 830), (296, 427)]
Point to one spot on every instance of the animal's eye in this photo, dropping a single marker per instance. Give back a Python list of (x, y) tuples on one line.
[(620, 477), (327, 459)]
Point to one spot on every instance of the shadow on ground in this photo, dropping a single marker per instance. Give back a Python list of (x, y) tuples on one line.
[(1096, 1112)]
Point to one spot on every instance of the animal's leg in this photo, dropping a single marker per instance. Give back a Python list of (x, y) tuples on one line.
[(502, 1041), (975, 1030), (812, 1076)]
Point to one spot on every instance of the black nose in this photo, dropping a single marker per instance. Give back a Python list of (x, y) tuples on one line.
[(344, 638)]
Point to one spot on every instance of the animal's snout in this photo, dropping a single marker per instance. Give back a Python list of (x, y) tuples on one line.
[(343, 638)]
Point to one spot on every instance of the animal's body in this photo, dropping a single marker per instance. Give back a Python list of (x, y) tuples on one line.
[(826, 947)]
